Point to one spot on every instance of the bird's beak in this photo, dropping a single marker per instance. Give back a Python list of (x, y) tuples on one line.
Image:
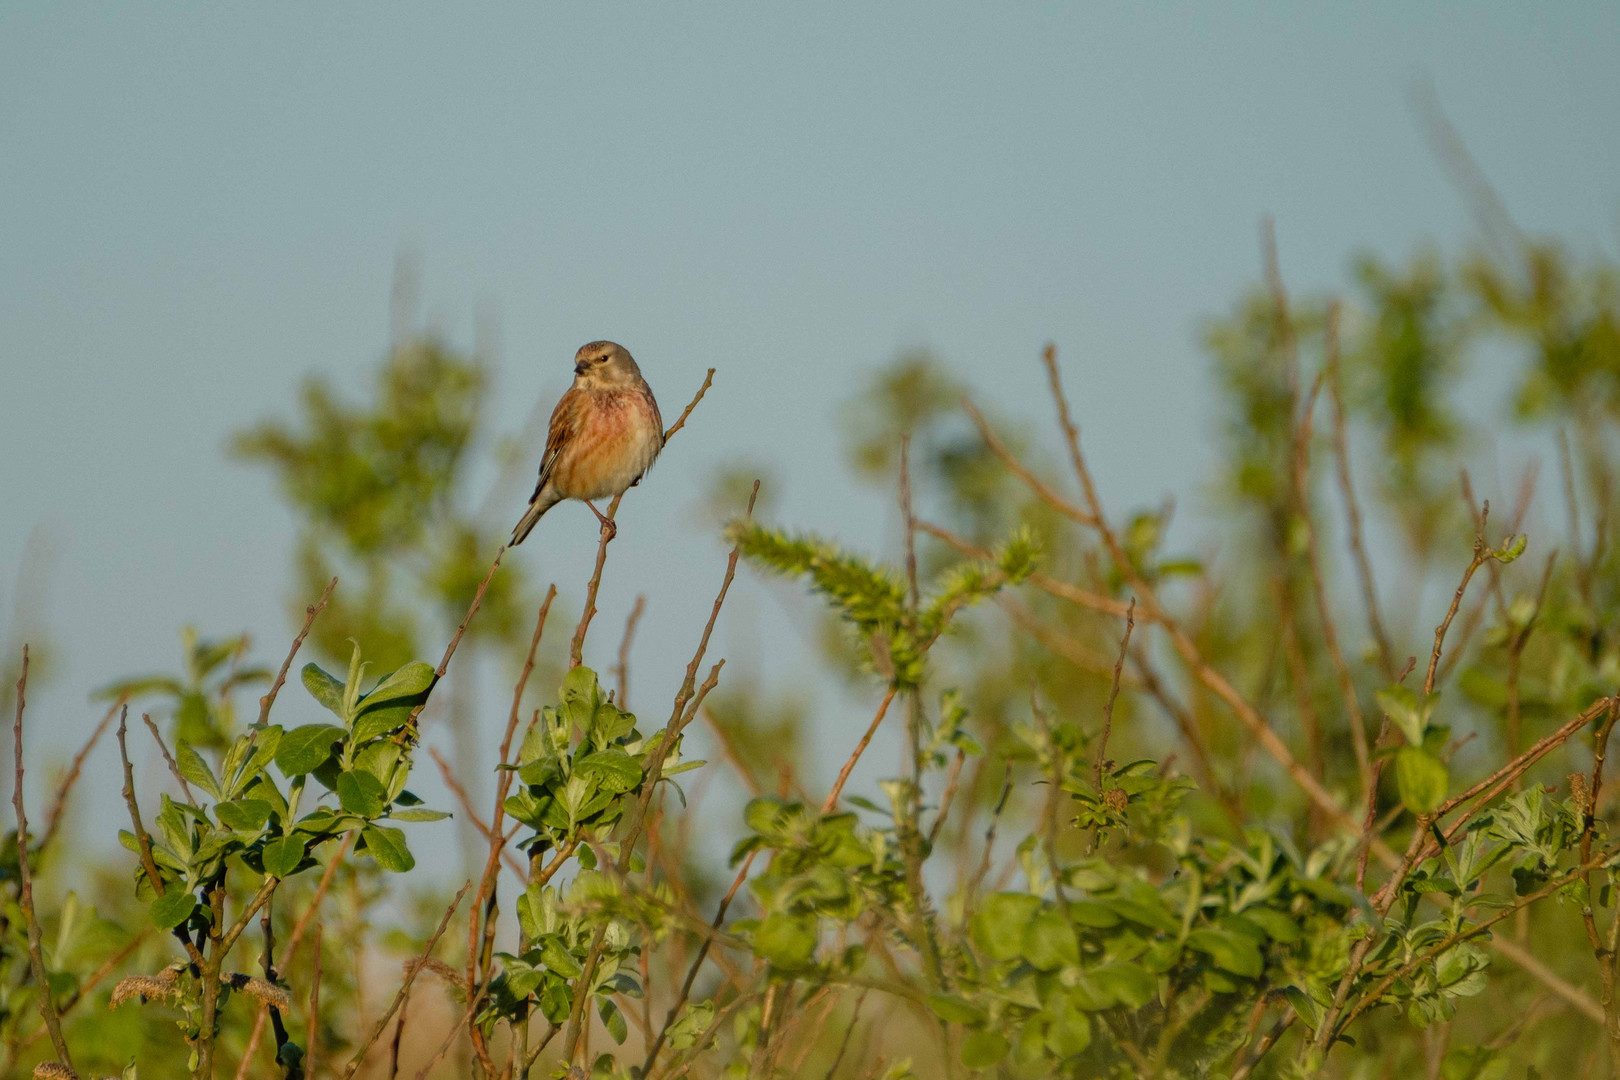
[(579, 368)]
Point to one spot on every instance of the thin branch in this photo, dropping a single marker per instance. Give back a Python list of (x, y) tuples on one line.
[(1060, 589), (450, 649), (1113, 693), (36, 955), (450, 1037), (269, 699), (168, 758), (831, 802), (1313, 548), (949, 797), (1574, 995), (1352, 513), (680, 422), (405, 988), (576, 649), (697, 964), (53, 817), (465, 802), (1481, 553), (1036, 484), (622, 672), (312, 1051), (729, 749), (143, 840)]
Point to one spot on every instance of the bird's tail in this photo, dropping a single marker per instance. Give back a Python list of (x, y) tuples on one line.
[(532, 517)]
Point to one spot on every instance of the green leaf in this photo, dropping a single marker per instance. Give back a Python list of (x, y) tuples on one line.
[(417, 814), (1128, 984), (388, 847), (172, 908), (1070, 1031), (383, 720), (412, 680), (361, 793), (1512, 547), (531, 912), (956, 1010), (195, 769), (788, 942), (243, 815), (998, 927), (1090, 913), (1278, 927), (1421, 778), (559, 959), (1050, 942), (613, 769), (611, 723), (765, 816), (1407, 711), (264, 751), (1229, 951), (983, 1049), (283, 856), (580, 696), (613, 1019), (325, 689), (303, 749)]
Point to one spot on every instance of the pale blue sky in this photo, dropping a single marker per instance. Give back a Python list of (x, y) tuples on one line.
[(200, 204)]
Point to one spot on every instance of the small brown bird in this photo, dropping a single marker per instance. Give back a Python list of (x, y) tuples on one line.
[(605, 435)]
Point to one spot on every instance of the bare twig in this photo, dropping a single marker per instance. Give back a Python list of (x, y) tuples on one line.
[(729, 749), (1113, 693), (831, 802), (1481, 553), (143, 840), (53, 817), (269, 699), (949, 797), (1574, 995), (450, 1037), (405, 988), (458, 790), (1052, 586), (1352, 513), (450, 649), (1330, 635), (25, 899), (168, 758), (1016, 467), (312, 1052), (697, 964), (623, 670), (680, 421)]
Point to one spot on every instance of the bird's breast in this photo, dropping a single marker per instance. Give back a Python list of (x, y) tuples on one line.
[(616, 443)]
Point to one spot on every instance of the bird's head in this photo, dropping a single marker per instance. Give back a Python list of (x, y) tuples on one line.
[(603, 365)]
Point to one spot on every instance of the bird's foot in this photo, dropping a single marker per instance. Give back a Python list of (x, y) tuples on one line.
[(609, 529)]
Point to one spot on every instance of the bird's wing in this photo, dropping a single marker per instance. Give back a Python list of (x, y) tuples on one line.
[(565, 423)]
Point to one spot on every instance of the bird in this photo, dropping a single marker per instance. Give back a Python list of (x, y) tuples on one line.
[(605, 434)]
